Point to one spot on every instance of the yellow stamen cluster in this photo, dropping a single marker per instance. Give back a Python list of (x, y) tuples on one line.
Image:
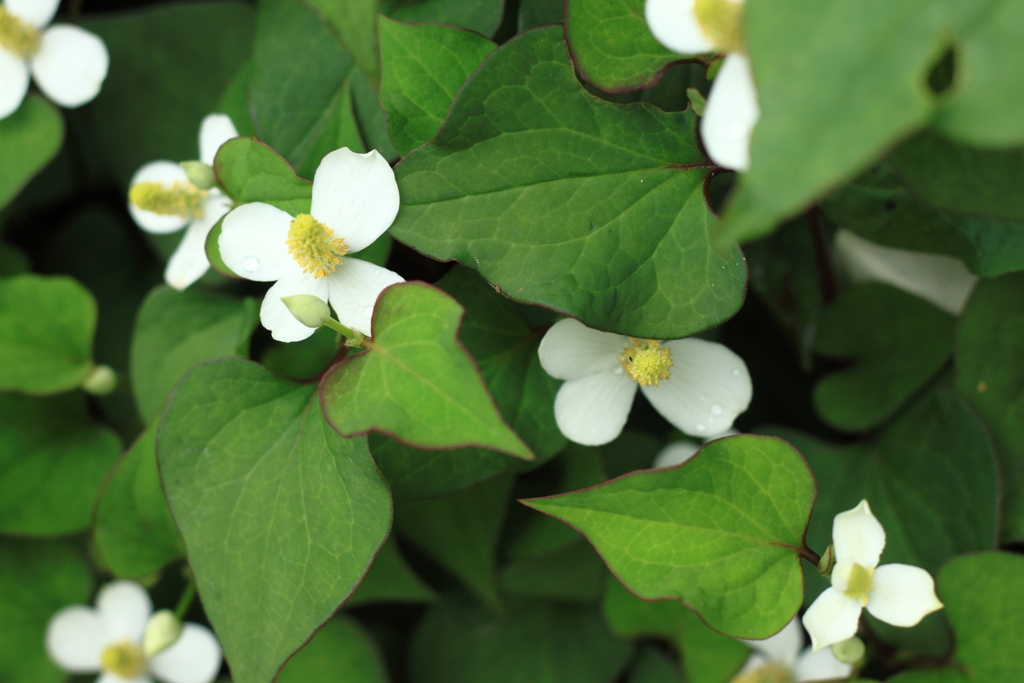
[(645, 361), (124, 659), (180, 199), (859, 584), (314, 246), (17, 36), (769, 672), (720, 21)]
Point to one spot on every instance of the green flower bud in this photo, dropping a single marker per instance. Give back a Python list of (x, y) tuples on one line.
[(311, 311), (827, 561), (850, 651), (162, 629), (101, 381), (201, 175), (697, 101)]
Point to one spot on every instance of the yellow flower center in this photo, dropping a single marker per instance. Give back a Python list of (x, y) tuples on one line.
[(124, 659), (646, 361), (720, 21), (314, 246), (180, 199), (16, 36), (859, 584), (769, 672)]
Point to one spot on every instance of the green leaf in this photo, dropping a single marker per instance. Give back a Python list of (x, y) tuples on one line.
[(529, 163), (303, 360), (944, 675), (373, 124), (990, 375), (653, 666), (36, 580), (422, 68), (391, 579), (29, 139), (723, 533), (416, 381), (573, 573), (53, 461), (281, 517), (234, 101), (46, 332), (413, 473), (133, 530), (463, 642), (460, 531), (251, 171), (612, 46), (340, 649), (892, 361), (983, 593), (13, 261), (534, 13), (355, 24), (176, 330), (482, 16)]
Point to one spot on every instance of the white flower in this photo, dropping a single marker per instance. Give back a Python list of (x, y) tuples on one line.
[(355, 200), (782, 657), (938, 279), (108, 639), (698, 386), (162, 200), (680, 451), (897, 594), (692, 27), (68, 63)]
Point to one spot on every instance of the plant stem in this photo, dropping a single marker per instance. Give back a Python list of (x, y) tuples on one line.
[(185, 601)]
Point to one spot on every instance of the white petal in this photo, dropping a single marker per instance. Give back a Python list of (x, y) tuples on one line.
[(214, 131), (166, 173), (276, 317), (74, 639), (71, 65), (124, 608), (355, 195), (939, 279), (107, 677), (674, 25), (731, 114), (592, 410), (193, 658), (902, 595), (858, 536), (39, 13), (254, 243), (833, 617), (353, 289), (675, 453), (13, 82), (189, 262), (784, 646), (820, 666), (570, 350), (708, 387)]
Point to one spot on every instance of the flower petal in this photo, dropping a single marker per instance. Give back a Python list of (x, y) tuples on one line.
[(353, 289), (753, 661), (355, 195), (675, 453), (571, 350), (592, 410), (731, 114), (858, 536), (74, 639), (902, 595), (674, 25), (71, 65), (14, 80), (832, 618), (214, 131), (784, 646), (193, 658), (276, 317), (254, 243), (166, 173), (820, 666), (108, 677), (189, 262), (709, 386), (124, 608), (39, 13), (938, 279)]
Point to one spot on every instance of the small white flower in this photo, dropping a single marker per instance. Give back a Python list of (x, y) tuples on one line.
[(355, 200), (782, 657), (897, 594), (692, 27), (161, 200), (68, 63), (108, 640), (680, 451), (698, 386)]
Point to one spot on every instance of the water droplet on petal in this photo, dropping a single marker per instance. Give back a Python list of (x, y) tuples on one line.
[(735, 372), (367, 311), (700, 427), (271, 262), (716, 409), (251, 264), (617, 371)]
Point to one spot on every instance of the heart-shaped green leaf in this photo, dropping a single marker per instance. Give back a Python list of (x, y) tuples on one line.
[(29, 138)]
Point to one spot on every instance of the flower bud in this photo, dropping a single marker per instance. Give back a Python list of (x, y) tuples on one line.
[(162, 629), (697, 101), (311, 311), (201, 175), (827, 561), (101, 381), (849, 651)]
